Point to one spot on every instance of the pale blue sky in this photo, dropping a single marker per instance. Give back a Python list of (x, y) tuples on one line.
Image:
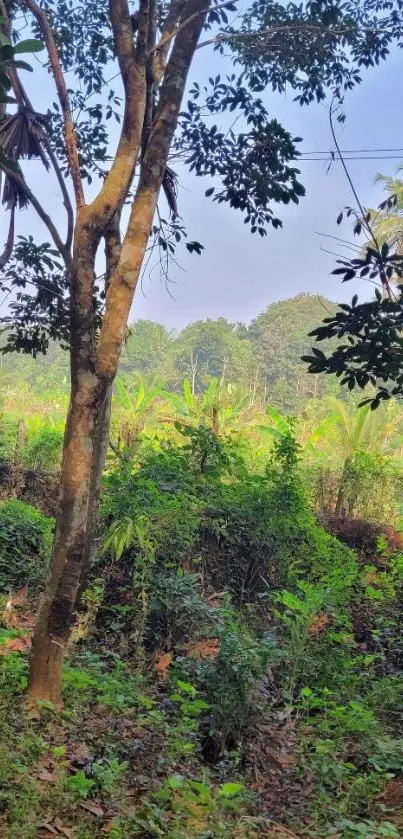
[(238, 274)]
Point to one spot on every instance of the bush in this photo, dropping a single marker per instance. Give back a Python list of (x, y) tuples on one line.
[(178, 610), (43, 451), (230, 681), (25, 544), (8, 433)]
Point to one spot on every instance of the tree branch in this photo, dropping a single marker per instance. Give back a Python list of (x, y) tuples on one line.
[(275, 30), (160, 51), (60, 82), (19, 180), (66, 197), (8, 248), (118, 180), (124, 282), (143, 31), (163, 44)]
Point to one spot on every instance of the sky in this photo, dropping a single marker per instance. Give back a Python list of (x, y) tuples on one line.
[(239, 274)]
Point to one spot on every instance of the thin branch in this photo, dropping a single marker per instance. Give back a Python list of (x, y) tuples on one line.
[(169, 35), (159, 52), (150, 78), (66, 197), (8, 248), (118, 180), (21, 183), (144, 16), (60, 82), (274, 30)]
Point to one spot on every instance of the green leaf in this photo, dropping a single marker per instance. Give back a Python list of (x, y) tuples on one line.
[(230, 789), (22, 65), (30, 45), (7, 52), (187, 392), (187, 688)]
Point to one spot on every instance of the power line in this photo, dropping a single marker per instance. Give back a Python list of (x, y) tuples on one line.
[(353, 151), (336, 159)]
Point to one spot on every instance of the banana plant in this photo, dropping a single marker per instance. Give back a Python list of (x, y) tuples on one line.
[(220, 407), (136, 407)]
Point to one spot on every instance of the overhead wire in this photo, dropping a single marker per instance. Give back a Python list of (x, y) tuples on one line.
[(352, 154)]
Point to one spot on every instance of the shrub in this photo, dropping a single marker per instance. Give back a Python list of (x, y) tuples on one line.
[(25, 544), (8, 432), (43, 450)]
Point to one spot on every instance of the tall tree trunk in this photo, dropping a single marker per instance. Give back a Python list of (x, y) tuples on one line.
[(100, 449), (113, 247), (93, 369), (57, 606)]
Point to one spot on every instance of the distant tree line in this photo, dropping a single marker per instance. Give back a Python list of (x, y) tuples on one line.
[(264, 356)]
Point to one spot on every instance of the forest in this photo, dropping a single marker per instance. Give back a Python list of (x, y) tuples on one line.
[(201, 530)]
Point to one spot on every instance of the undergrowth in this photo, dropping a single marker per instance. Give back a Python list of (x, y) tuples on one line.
[(235, 671)]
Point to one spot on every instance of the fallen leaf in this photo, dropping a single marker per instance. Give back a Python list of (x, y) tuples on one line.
[(162, 665), (47, 826), (319, 623), (93, 808), (45, 775), (109, 826), (65, 831)]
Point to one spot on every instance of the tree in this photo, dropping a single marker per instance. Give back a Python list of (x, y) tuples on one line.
[(146, 349), (370, 348), (211, 348), (222, 407), (279, 336), (324, 47), (387, 222)]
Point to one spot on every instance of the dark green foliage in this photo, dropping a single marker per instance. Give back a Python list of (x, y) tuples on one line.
[(178, 610), (372, 350), (25, 542), (230, 682), (279, 336)]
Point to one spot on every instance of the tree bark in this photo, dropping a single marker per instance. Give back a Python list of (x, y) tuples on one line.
[(113, 248), (57, 606), (87, 394)]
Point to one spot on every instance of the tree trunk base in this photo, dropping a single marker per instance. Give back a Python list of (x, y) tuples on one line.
[(44, 683)]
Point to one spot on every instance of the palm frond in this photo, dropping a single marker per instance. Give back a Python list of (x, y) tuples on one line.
[(22, 135)]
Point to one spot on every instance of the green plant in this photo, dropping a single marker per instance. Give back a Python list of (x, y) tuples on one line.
[(229, 682), (108, 773), (25, 543), (43, 449), (366, 829), (79, 785), (297, 616)]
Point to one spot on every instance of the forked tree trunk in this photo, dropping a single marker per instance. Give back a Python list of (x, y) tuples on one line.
[(94, 364)]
